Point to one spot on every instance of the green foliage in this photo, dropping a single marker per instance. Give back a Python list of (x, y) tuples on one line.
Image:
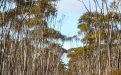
[(73, 52), (83, 27), (94, 74), (115, 72), (27, 39), (67, 72), (111, 15), (61, 67), (95, 28)]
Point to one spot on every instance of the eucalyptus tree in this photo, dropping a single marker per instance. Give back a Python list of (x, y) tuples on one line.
[(100, 53), (29, 43)]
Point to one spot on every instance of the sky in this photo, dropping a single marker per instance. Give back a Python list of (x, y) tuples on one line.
[(72, 9), (72, 12)]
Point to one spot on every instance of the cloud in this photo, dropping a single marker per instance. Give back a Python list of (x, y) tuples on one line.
[(66, 46)]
